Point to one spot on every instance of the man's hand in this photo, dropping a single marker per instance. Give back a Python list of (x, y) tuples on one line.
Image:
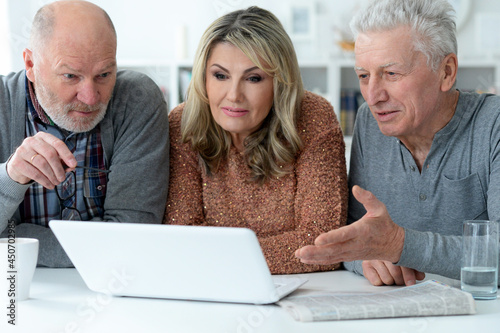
[(380, 272), (373, 237), (41, 158)]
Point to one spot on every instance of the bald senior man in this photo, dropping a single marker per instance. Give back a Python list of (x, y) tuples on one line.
[(79, 140)]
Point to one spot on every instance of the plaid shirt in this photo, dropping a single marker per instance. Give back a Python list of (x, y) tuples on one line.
[(42, 205)]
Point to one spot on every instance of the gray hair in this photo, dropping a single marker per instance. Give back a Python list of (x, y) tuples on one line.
[(432, 24)]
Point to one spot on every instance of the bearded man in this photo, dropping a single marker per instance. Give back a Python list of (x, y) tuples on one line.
[(79, 140)]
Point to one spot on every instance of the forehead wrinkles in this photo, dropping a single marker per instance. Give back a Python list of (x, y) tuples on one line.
[(387, 58), (78, 57)]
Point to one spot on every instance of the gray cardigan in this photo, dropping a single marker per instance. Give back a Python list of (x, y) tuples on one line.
[(460, 180), (134, 136)]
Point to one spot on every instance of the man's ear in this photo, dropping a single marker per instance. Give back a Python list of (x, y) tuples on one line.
[(29, 64), (448, 70)]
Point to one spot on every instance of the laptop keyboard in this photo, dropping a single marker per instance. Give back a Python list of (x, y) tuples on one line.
[(286, 285)]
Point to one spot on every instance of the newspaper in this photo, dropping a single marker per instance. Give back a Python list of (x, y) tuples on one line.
[(429, 298)]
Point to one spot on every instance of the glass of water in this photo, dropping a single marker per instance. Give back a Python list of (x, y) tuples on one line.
[(479, 275)]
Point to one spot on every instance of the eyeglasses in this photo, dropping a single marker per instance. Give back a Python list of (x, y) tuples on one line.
[(66, 192), (92, 169)]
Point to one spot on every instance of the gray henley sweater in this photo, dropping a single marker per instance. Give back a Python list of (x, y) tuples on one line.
[(460, 180)]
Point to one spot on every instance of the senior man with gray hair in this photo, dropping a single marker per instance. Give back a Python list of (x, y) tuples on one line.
[(425, 156), (78, 139)]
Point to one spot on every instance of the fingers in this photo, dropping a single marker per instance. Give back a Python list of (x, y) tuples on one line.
[(420, 275), (374, 236), (371, 273), (373, 206), (332, 247), (62, 153), (340, 235), (41, 158), (324, 255), (411, 276), (346, 233), (379, 273)]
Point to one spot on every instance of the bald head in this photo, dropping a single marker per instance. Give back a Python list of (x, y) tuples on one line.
[(69, 20), (72, 63)]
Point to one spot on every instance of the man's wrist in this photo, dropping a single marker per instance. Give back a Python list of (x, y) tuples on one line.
[(397, 245)]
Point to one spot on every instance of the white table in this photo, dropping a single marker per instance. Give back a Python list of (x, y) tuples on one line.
[(61, 302)]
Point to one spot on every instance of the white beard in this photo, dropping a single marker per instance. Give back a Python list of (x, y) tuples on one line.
[(59, 112)]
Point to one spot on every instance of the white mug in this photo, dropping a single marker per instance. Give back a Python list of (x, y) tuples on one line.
[(18, 258)]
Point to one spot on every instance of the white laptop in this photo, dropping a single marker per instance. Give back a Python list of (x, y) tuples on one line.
[(175, 262)]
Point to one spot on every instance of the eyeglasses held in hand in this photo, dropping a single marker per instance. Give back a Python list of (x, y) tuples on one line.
[(92, 169), (67, 190)]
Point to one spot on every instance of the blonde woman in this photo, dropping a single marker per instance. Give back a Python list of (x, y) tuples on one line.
[(250, 148)]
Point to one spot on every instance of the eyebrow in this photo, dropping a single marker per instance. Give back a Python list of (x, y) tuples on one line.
[(69, 67), (226, 70), (106, 68), (381, 66)]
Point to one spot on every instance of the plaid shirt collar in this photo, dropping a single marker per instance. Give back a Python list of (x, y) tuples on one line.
[(40, 204), (34, 106)]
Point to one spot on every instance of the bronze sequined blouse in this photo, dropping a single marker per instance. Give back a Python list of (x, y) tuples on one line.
[(286, 213)]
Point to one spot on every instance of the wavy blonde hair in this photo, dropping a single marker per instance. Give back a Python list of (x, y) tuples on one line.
[(271, 150)]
